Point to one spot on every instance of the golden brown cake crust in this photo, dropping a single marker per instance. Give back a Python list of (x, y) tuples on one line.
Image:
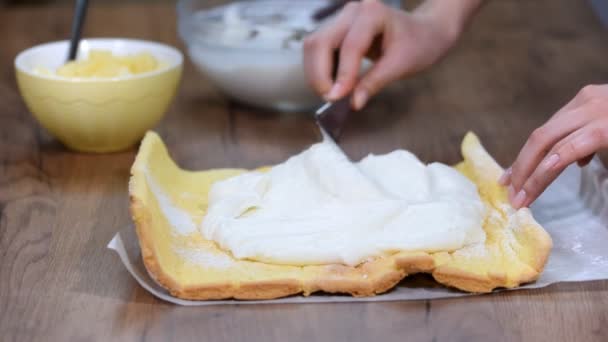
[(515, 251)]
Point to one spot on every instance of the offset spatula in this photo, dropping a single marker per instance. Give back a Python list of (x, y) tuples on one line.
[(332, 116)]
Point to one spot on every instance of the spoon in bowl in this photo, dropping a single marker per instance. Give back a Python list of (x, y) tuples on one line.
[(80, 12)]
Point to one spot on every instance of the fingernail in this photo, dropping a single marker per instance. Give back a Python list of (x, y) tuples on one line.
[(335, 92), (551, 161), (360, 98), (519, 199), (505, 179)]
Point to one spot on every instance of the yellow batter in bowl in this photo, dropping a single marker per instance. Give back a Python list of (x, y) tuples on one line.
[(98, 114)]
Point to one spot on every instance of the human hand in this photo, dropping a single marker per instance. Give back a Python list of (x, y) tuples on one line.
[(573, 134), (401, 43)]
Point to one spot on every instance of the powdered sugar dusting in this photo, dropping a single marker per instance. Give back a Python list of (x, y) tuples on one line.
[(508, 241), (205, 258), (180, 220), (494, 215), (475, 251)]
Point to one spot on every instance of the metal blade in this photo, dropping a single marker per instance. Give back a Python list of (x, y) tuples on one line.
[(332, 116)]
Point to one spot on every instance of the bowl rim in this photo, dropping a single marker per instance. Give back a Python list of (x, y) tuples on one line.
[(173, 64), (186, 17)]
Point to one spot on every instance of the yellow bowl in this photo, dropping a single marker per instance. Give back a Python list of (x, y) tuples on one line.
[(98, 114)]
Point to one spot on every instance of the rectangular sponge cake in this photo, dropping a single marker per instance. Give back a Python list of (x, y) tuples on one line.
[(167, 203)]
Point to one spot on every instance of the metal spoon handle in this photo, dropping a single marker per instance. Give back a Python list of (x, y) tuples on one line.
[(79, 15)]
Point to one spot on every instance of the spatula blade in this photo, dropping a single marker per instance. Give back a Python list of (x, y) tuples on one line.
[(332, 116)]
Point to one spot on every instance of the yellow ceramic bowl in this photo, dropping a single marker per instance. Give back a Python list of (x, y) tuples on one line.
[(98, 114)]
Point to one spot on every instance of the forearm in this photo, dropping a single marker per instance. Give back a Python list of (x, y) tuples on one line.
[(452, 15)]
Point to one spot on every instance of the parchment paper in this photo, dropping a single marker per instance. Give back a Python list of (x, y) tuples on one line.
[(574, 210)]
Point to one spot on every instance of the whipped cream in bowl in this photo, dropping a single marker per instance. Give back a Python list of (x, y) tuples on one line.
[(318, 207), (252, 50)]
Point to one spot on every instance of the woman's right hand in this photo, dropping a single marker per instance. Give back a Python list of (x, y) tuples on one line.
[(401, 44)]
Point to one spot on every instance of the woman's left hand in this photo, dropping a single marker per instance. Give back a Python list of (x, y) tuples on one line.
[(573, 134)]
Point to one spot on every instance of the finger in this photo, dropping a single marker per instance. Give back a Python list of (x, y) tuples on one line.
[(511, 193), (581, 162), (576, 146), (383, 72), (577, 113), (593, 137), (583, 104), (585, 161), (576, 102), (319, 48), (541, 141), (358, 40)]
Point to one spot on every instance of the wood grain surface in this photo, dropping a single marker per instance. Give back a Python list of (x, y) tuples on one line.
[(519, 62)]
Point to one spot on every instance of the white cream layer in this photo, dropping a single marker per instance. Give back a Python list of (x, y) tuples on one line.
[(320, 208)]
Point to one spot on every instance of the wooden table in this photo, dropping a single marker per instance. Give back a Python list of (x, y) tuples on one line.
[(520, 62)]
